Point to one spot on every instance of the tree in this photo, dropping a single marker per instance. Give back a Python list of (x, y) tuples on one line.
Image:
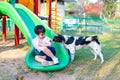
[(109, 8), (70, 6)]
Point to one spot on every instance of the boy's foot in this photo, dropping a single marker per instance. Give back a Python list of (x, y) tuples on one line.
[(47, 63), (55, 60)]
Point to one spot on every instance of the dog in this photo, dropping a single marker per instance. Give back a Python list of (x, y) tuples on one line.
[(75, 43)]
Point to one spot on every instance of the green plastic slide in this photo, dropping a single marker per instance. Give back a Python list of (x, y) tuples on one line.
[(26, 21)]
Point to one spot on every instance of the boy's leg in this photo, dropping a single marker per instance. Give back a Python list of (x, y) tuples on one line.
[(47, 52), (52, 49), (42, 60), (50, 54)]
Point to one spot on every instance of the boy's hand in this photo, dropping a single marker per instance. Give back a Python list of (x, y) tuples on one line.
[(40, 44)]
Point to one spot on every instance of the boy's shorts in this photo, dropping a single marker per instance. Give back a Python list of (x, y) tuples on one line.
[(52, 49)]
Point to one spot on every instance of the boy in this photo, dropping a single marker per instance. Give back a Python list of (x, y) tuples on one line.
[(42, 44)]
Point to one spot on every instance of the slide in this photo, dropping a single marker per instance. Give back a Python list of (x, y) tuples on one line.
[(26, 21)]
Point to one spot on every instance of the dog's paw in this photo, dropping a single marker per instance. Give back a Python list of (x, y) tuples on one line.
[(94, 58), (72, 57), (102, 62), (71, 60)]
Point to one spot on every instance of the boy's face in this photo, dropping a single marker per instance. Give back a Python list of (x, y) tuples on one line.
[(41, 35)]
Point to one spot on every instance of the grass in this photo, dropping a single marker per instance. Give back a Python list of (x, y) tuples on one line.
[(25, 47), (49, 74), (9, 35), (86, 68)]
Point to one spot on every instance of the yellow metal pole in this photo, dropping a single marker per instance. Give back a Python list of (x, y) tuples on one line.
[(56, 17), (39, 7), (44, 7), (47, 6)]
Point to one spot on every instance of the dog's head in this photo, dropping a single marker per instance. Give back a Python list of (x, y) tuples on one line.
[(58, 38)]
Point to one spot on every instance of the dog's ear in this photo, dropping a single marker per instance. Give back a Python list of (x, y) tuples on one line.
[(59, 34)]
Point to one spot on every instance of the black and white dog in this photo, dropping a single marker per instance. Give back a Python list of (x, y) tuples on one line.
[(75, 43)]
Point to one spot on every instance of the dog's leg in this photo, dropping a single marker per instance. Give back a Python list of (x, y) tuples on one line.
[(98, 52), (96, 48), (101, 57), (71, 48), (72, 56), (95, 54)]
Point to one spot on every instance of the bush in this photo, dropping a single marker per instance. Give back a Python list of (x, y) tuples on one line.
[(109, 8)]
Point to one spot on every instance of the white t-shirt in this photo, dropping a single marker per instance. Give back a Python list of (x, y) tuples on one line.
[(36, 41)]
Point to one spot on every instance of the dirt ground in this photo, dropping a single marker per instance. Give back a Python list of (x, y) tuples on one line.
[(12, 65)]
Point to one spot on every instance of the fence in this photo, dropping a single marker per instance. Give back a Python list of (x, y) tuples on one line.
[(9, 24), (88, 24)]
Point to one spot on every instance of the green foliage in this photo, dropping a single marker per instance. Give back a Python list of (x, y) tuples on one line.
[(10, 34), (67, 14), (70, 6), (109, 9)]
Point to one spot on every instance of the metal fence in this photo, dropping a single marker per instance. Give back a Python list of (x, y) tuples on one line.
[(9, 24), (88, 24)]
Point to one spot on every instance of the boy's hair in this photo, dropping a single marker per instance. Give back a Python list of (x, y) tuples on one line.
[(39, 29)]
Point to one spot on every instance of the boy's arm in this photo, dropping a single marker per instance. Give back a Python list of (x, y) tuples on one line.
[(36, 46), (47, 42), (44, 45)]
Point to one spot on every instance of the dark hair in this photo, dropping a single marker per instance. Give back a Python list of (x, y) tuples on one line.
[(39, 29)]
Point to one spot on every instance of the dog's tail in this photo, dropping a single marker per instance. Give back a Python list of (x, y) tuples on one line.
[(92, 38)]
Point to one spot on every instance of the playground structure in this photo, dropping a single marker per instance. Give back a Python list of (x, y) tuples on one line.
[(51, 13), (25, 21), (51, 9), (56, 18), (29, 4)]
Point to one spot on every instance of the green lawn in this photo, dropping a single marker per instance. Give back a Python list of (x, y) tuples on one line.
[(85, 68), (9, 34)]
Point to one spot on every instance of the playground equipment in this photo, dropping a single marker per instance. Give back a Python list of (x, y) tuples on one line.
[(4, 28), (16, 32), (28, 3), (26, 21), (48, 10), (56, 18), (51, 10)]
